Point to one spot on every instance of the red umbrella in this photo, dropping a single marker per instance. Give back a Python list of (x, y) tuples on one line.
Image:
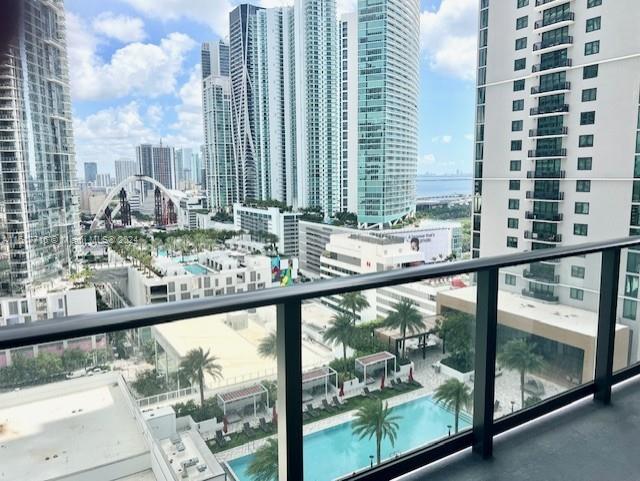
[(225, 425), (382, 382), (274, 415), (411, 374), (341, 393)]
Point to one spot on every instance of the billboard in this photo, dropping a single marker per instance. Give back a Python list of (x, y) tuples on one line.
[(434, 244)]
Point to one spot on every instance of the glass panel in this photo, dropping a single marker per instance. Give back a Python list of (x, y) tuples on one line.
[(628, 298), (547, 329)]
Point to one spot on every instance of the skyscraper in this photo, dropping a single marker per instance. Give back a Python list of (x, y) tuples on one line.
[(37, 161), (317, 112), (276, 104), (125, 168), (183, 159), (90, 171), (215, 59), (242, 71), (557, 142), (388, 56), (157, 162)]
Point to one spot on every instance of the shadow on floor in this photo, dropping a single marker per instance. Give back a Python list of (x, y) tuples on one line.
[(583, 442)]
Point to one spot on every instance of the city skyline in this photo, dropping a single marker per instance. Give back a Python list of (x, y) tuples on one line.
[(111, 116)]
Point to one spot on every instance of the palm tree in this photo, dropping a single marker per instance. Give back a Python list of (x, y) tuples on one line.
[(354, 302), (340, 331), (264, 465), (519, 355), (196, 363), (406, 318), (453, 395), (376, 419), (267, 347)]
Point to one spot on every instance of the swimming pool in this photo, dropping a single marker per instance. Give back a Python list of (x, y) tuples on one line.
[(336, 452), (196, 269)]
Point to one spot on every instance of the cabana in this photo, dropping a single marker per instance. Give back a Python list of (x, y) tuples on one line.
[(419, 339), (243, 397), (317, 377), (371, 362)]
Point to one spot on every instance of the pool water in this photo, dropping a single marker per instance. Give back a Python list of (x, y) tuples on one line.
[(336, 452), (196, 269)]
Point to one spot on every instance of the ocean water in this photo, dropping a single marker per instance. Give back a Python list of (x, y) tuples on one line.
[(427, 186), (336, 452)]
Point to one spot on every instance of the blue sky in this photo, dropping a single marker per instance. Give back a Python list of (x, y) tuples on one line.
[(134, 68)]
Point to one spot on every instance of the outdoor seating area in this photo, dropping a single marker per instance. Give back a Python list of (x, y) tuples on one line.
[(320, 381), (242, 402), (375, 366)]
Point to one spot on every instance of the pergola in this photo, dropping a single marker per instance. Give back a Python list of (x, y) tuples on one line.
[(254, 392), (394, 336), (322, 374), (375, 359)]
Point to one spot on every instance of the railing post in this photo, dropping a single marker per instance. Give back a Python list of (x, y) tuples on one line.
[(607, 313), (485, 361), (289, 404)]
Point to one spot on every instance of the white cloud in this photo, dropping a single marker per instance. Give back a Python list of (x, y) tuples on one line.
[(469, 137), (425, 163), (155, 114), (137, 68), (442, 139), (120, 27), (448, 37), (187, 131)]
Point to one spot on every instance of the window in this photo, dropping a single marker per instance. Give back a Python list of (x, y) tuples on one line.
[(514, 204), (512, 242), (631, 286), (484, 19), (512, 223), (577, 271), (518, 85), (516, 145), (583, 186), (593, 24), (585, 141), (577, 294), (520, 64), (584, 163), (593, 3), (516, 126), (590, 71), (521, 43), (588, 118), (633, 262), (629, 309), (515, 165), (523, 3), (582, 208), (518, 105), (522, 22), (589, 95), (514, 185), (580, 229), (591, 48), (510, 279)]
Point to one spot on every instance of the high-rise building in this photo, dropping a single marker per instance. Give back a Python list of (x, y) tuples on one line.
[(183, 160), (276, 104), (124, 169), (242, 71), (39, 203), (317, 108), (104, 181), (219, 166), (90, 171), (349, 112), (215, 59), (157, 162), (388, 53), (557, 143)]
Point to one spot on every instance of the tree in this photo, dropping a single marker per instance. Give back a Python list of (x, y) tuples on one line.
[(376, 419), (406, 318), (264, 465), (268, 346), (73, 359), (453, 395), (454, 329), (519, 355), (149, 383), (340, 331), (196, 364), (354, 302)]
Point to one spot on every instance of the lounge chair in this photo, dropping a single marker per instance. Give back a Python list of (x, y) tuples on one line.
[(220, 440), (328, 407), (337, 403), (311, 411), (247, 429), (266, 428), (366, 392)]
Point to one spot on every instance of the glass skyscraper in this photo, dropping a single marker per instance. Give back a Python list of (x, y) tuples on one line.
[(39, 203), (388, 55)]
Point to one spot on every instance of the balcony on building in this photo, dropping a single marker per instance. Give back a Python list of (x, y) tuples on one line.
[(549, 132), (543, 216), (541, 295), (549, 110), (544, 4), (547, 153), (556, 87), (551, 45), (545, 24), (555, 65), (545, 195), (543, 236)]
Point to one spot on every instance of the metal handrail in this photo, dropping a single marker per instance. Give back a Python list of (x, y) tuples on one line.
[(144, 316)]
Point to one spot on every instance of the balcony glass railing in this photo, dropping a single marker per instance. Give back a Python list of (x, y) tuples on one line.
[(541, 276), (568, 40), (543, 236), (561, 63), (545, 195), (546, 174), (549, 109), (125, 361), (545, 22), (551, 87), (543, 216), (536, 153), (548, 131)]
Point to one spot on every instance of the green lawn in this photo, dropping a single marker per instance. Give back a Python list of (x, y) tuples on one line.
[(352, 404)]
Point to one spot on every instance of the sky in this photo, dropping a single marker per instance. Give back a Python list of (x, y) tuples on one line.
[(135, 76)]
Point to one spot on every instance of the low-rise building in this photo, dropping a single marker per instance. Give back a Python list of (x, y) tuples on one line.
[(258, 221)]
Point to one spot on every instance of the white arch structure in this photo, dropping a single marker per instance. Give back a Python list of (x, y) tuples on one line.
[(129, 180)]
